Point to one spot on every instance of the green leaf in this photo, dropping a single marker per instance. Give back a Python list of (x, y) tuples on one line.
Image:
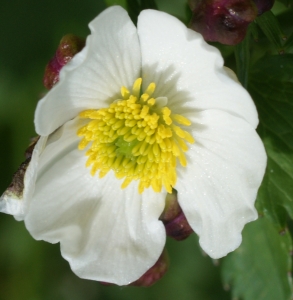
[(271, 28), (146, 4), (254, 31), (285, 2), (289, 42), (136, 6), (259, 268), (116, 2), (271, 87), (133, 7), (242, 55)]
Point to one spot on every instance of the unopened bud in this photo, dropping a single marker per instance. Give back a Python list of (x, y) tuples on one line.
[(263, 5), (155, 273), (68, 47), (223, 21), (29, 150), (16, 187), (175, 222)]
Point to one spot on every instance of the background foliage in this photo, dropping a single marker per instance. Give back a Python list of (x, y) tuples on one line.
[(260, 269)]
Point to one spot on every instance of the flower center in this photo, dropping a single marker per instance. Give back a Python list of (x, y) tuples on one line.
[(136, 138)]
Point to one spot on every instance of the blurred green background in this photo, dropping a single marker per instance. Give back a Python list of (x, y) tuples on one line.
[(33, 270)]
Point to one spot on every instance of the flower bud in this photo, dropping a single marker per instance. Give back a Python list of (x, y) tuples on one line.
[(68, 47), (263, 5), (224, 21), (175, 222), (29, 150), (155, 273), (16, 187)]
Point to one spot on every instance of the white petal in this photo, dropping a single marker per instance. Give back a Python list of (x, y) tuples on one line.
[(93, 78), (218, 187), (186, 69), (106, 233), (9, 202)]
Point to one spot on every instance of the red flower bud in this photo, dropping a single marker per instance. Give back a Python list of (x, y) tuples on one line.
[(68, 47), (155, 273), (224, 21), (175, 222), (263, 5)]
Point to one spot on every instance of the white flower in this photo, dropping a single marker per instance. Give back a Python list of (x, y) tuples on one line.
[(108, 227)]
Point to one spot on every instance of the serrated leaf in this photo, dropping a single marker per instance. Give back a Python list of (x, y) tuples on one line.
[(271, 87), (259, 268), (116, 2), (271, 28)]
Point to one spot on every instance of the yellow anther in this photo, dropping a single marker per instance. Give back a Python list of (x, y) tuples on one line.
[(143, 147), (175, 149), (81, 131), (166, 111), (189, 138), (118, 124), (179, 131), (150, 154), (123, 130), (144, 111), (129, 138), (103, 172), (136, 139), (82, 144), (136, 87), (141, 136), (86, 113), (117, 162), (130, 123), (150, 89), (126, 182), (166, 115), (181, 120), (125, 92), (151, 102), (144, 97), (168, 143), (136, 148), (182, 159)]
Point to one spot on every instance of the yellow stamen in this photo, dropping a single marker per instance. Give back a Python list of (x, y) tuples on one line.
[(136, 139), (181, 120), (150, 89), (136, 87), (125, 93)]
